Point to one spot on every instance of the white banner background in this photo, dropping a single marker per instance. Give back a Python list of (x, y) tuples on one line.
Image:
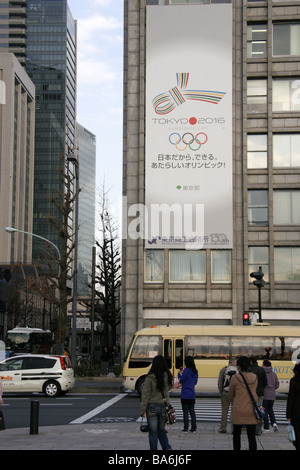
[(194, 40)]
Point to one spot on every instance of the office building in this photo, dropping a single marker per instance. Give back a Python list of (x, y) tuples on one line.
[(86, 143), (51, 64), (211, 134), (17, 111)]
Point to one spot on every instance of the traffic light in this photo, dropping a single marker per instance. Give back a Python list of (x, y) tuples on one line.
[(246, 319), (258, 275)]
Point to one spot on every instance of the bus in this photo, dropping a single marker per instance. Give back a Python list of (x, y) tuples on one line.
[(211, 347), (28, 340)]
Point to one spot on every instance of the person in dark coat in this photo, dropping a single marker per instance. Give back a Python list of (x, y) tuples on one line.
[(293, 405), (261, 384)]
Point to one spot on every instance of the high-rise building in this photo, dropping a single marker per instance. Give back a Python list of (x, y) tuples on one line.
[(13, 28), (86, 143), (51, 64), (17, 111), (211, 121)]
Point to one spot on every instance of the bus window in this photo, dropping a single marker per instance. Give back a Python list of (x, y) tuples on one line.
[(178, 353), (259, 347), (208, 347), (144, 350), (285, 347), (168, 351), (177, 346)]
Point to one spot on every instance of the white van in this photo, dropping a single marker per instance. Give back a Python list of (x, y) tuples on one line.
[(52, 375)]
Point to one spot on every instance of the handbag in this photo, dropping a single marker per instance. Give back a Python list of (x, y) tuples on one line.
[(291, 433), (170, 411), (259, 410), (2, 423), (144, 427)]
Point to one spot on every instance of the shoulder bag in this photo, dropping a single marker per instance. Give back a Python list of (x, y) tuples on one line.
[(259, 411), (170, 412)]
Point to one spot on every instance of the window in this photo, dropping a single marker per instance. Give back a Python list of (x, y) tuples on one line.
[(258, 347), (221, 266), (286, 96), (154, 260), (287, 263), (286, 39), (257, 151), (258, 207), (144, 349), (187, 266), (208, 347), (258, 256), (286, 207), (257, 41), (257, 96), (286, 150)]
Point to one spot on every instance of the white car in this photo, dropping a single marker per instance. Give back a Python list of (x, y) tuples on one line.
[(52, 375)]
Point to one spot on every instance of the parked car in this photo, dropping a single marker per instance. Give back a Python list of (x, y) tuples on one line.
[(52, 375)]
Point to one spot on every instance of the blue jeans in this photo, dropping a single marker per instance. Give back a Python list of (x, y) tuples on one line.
[(156, 416)]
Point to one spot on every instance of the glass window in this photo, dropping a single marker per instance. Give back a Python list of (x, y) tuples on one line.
[(257, 207), (257, 41), (286, 94), (258, 256), (257, 96), (286, 39), (154, 265), (286, 150), (221, 266), (259, 347), (286, 207), (287, 349), (257, 156), (287, 263), (208, 347), (187, 266), (145, 347), (12, 364)]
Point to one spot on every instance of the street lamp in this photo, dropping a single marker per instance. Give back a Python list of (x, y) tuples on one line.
[(12, 230), (72, 158)]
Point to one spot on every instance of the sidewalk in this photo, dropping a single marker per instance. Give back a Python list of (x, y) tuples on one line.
[(127, 436)]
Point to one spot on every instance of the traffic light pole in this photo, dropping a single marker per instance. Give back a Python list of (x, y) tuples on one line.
[(259, 304)]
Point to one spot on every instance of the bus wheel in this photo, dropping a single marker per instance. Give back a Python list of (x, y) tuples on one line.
[(51, 388), (140, 384)]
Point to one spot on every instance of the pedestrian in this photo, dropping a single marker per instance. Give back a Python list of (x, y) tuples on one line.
[(224, 380), (293, 405), (242, 413), (2, 425), (188, 378), (270, 396), (261, 384), (156, 387)]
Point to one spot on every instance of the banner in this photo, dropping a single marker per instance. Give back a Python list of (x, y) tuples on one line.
[(188, 161)]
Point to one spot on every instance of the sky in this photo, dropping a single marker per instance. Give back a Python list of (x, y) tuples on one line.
[(100, 85)]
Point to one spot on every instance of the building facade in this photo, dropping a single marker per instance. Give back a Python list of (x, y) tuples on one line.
[(17, 118), (51, 64), (212, 284), (86, 142)]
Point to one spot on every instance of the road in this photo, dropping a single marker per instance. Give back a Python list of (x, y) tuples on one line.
[(98, 408)]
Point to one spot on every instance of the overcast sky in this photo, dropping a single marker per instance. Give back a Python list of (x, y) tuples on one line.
[(100, 83)]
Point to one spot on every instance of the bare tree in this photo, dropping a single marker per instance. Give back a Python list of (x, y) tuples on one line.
[(108, 272)]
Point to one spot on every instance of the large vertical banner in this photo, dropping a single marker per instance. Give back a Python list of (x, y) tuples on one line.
[(188, 162)]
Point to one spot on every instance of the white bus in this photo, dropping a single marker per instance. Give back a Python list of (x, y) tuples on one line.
[(211, 347)]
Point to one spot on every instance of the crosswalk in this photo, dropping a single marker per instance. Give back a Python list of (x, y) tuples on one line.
[(209, 410)]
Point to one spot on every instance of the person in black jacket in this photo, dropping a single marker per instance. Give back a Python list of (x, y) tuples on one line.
[(293, 405), (261, 384)]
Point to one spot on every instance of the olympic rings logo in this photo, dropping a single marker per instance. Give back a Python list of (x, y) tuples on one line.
[(188, 139)]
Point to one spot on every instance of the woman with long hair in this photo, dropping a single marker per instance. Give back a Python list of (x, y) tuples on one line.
[(188, 379), (156, 388)]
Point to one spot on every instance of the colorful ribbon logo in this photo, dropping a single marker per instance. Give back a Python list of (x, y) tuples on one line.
[(165, 103)]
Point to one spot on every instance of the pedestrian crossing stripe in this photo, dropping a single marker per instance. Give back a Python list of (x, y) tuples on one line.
[(211, 410)]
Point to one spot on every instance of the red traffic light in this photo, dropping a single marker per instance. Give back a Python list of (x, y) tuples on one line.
[(246, 319)]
